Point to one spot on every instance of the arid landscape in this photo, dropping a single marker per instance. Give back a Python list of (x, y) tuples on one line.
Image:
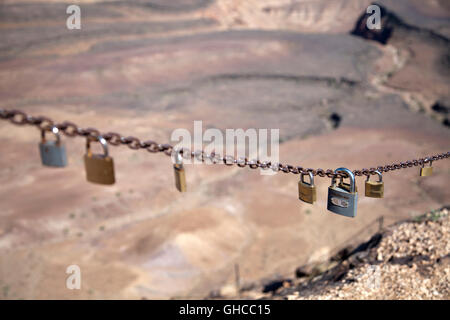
[(407, 260), (147, 67)]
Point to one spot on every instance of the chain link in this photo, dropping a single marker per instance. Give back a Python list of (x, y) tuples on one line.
[(70, 129)]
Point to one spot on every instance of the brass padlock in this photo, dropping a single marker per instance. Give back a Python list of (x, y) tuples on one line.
[(180, 176), (375, 189), (53, 153), (426, 171), (99, 167), (307, 191), (341, 200)]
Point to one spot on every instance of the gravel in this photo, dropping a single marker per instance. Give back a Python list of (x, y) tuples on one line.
[(411, 261)]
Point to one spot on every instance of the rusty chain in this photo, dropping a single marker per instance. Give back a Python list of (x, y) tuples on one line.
[(70, 129)]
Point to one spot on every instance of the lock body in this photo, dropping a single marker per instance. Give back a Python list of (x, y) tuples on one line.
[(307, 192), (426, 171), (53, 154), (341, 201), (374, 189), (99, 169), (180, 177)]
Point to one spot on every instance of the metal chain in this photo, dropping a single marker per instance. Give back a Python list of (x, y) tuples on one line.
[(70, 129)]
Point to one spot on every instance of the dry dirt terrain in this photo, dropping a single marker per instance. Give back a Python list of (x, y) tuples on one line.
[(144, 68)]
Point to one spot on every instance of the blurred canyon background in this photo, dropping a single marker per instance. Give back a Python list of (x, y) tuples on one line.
[(339, 95)]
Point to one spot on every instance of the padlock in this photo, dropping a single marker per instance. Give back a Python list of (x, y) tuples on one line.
[(53, 153), (99, 167), (375, 189), (341, 200), (180, 176), (307, 191), (426, 171)]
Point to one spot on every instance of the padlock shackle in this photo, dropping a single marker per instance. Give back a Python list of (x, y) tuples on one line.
[(55, 131), (350, 175), (430, 161), (380, 176), (311, 177), (178, 157), (102, 142)]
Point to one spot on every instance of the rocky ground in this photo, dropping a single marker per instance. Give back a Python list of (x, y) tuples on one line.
[(408, 260), (145, 68)]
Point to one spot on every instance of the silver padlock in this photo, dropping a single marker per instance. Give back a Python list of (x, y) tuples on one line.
[(343, 198), (53, 153)]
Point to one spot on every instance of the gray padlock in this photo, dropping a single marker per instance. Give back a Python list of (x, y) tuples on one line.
[(343, 200), (53, 153)]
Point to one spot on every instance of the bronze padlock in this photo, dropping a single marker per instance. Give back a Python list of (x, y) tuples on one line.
[(180, 176), (426, 171), (375, 189), (307, 191), (99, 167)]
